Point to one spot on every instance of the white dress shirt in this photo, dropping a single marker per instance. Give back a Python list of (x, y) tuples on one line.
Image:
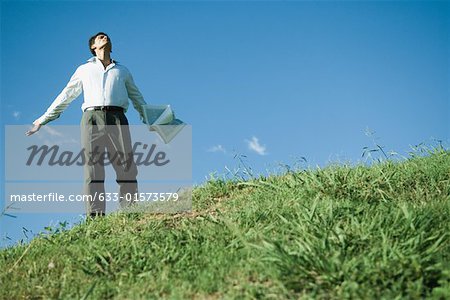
[(102, 87)]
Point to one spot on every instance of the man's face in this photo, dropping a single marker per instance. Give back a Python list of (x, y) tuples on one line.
[(102, 41)]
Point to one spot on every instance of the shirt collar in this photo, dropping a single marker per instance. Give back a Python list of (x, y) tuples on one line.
[(94, 60)]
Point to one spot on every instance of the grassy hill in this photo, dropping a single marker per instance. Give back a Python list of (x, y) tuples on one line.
[(341, 232)]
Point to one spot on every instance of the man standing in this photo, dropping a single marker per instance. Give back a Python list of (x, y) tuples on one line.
[(107, 86)]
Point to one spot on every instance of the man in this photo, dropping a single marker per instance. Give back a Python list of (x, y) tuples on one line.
[(107, 86)]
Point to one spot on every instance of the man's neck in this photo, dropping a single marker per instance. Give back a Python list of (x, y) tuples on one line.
[(104, 57)]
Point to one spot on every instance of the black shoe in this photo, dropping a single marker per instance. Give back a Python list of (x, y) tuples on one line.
[(97, 214)]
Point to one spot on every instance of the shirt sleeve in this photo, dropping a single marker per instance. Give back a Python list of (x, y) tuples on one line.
[(72, 90), (135, 96)]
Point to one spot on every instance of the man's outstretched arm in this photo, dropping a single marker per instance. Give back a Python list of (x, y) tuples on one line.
[(72, 90), (135, 96)]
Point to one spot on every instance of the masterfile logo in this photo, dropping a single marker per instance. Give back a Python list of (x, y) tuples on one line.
[(142, 154), (46, 172), (57, 154)]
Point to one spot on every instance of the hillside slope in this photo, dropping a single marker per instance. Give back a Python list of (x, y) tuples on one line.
[(341, 232)]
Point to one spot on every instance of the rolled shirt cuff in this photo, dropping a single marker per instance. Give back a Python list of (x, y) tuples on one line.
[(42, 120)]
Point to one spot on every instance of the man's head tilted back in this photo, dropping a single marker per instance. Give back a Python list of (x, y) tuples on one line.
[(99, 41)]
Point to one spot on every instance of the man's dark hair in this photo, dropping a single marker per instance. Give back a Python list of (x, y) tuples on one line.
[(92, 41)]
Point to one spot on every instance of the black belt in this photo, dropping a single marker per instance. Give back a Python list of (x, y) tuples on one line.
[(105, 108)]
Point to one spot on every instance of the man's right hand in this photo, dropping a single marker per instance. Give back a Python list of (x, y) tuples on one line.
[(36, 127)]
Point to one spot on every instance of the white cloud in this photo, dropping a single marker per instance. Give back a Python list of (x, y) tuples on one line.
[(16, 115), (52, 136), (217, 148), (51, 131), (255, 146)]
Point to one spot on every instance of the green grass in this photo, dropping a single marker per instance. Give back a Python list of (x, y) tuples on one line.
[(361, 232)]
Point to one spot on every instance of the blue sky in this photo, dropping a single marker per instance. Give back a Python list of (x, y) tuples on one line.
[(272, 80)]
